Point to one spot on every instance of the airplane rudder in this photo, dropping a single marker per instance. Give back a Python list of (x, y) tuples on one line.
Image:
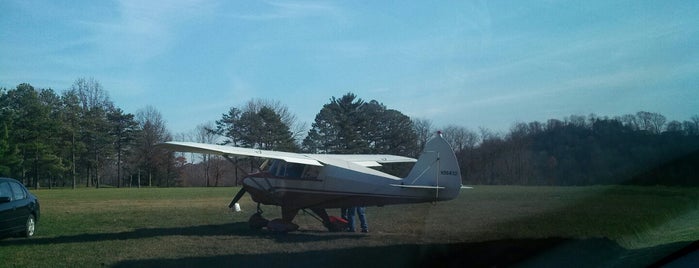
[(437, 155), (449, 172)]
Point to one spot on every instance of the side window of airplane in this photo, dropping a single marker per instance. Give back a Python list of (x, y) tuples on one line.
[(293, 170), (310, 172), (273, 166), (283, 169)]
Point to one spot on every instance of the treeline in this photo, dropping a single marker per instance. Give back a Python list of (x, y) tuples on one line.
[(632, 149), (641, 148), (346, 125), (80, 137)]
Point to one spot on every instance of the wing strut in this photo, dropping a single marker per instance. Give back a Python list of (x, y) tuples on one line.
[(235, 163), (242, 191), (237, 197)]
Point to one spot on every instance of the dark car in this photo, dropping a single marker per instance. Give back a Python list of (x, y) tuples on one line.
[(19, 209)]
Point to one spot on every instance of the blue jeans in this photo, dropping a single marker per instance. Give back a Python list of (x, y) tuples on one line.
[(362, 218)]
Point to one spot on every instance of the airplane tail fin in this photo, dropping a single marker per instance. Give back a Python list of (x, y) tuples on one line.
[(436, 169)]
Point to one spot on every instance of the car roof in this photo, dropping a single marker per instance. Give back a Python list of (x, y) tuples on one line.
[(8, 179)]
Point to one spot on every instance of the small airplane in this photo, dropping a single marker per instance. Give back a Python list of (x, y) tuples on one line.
[(296, 181)]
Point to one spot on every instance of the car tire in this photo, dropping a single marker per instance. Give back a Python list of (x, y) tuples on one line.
[(29, 227)]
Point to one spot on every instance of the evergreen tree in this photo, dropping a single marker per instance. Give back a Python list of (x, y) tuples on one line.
[(338, 127), (258, 126), (9, 155), (349, 125), (123, 131), (72, 146)]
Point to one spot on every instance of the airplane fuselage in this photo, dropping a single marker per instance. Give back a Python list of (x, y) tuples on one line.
[(335, 187)]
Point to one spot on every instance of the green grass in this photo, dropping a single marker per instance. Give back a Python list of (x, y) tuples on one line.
[(617, 225)]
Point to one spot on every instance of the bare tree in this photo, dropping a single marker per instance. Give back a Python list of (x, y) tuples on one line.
[(423, 130), (489, 135), (691, 127), (153, 131), (651, 122), (205, 133), (674, 126), (94, 103), (460, 138), (91, 93), (576, 120), (630, 121)]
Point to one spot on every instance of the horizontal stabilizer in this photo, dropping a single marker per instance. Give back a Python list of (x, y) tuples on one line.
[(418, 186), (466, 187)]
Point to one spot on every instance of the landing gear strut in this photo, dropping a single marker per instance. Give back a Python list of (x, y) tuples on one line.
[(331, 223), (282, 225), (285, 224), (256, 221)]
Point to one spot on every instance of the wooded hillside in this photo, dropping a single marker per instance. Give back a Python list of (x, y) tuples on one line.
[(80, 137)]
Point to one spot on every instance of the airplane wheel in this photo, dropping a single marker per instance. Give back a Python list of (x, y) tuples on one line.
[(256, 221)]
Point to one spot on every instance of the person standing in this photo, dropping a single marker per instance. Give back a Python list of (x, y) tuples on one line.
[(360, 211), (344, 212)]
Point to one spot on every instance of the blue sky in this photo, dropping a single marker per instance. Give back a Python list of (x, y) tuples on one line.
[(469, 63)]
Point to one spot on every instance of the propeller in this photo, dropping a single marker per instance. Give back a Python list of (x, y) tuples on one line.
[(237, 197)]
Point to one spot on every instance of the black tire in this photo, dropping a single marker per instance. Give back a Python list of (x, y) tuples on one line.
[(256, 221), (29, 227)]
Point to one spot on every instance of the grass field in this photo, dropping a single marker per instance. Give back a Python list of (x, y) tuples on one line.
[(500, 225)]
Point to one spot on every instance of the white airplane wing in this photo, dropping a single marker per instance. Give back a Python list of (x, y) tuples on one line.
[(203, 148), (365, 160)]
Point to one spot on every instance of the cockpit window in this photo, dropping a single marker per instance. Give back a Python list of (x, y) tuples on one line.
[(283, 169), (273, 166), (293, 170), (310, 172)]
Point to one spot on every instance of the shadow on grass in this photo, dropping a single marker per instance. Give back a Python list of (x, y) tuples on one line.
[(231, 229), (551, 252)]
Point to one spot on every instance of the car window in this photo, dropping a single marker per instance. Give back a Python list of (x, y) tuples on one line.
[(5, 190), (18, 192)]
